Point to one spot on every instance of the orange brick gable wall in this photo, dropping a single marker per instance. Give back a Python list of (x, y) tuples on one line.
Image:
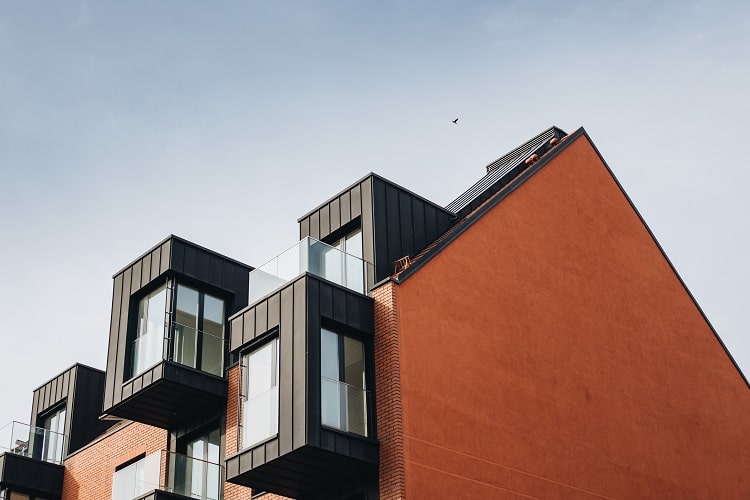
[(89, 472), (388, 393), (550, 351)]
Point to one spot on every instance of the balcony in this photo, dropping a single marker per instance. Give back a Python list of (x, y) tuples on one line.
[(31, 459), (307, 370), (168, 475), (314, 257), (177, 372)]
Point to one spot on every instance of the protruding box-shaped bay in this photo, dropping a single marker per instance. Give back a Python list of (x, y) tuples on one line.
[(307, 406), (168, 341)]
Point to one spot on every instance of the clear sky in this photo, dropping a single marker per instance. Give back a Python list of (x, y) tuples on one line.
[(222, 122)]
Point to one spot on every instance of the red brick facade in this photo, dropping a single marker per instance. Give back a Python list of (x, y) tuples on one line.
[(388, 393), (89, 472)]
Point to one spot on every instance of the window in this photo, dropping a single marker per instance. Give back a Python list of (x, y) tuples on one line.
[(54, 425), (148, 347), (350, 270), (260, 409), (342, 385), (199, 330), (195, 323), (198, 474)]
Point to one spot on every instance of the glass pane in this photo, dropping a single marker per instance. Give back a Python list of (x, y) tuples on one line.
[(54, 426), (212, 356), (354, 363), (187, 307), (260, 370), (185, 345), (330, 403), (329, 354), (355, 273), (353, 244), (356, 410), (333, 265), (213, 315), (261, 408), (149, 345)]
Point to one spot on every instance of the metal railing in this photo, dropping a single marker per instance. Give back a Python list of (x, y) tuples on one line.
[(34, 442), (171, 472), (315, 257), (182, 344)]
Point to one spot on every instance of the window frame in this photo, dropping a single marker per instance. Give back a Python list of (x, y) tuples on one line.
[(172, 286), (341, 337), (273, 340)]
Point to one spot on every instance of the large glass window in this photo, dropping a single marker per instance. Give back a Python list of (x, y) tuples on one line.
[(199, 330), (342, 384), (195, 323), (260, 409), (148, 348), (53, 446), (198, 473), (346, 268)]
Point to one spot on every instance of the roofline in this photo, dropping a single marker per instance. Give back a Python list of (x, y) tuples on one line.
[(74, 365), (485, 207), (664, 254), (523, 177), (183, 240), (380, 177)]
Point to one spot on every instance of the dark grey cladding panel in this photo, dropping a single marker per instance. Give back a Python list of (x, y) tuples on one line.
[(182, 260), (80, 390), (344, 212), (24, 474), (295, 314), (404, 224), (395, 222)]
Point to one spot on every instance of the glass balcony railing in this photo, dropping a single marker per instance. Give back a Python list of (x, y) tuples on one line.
[(34, 442), (315, 257), (170, 472), (182, 344), (344, 406)]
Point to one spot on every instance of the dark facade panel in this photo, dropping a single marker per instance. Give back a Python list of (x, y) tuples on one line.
[(29, 476), (404, 224), (169, 394), (343, 213), (173, 258), (80, 390), (395, 222), (298, 462)]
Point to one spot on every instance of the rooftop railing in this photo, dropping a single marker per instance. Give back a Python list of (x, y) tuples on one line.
[(315, 257), (33, 442), (170, 472)]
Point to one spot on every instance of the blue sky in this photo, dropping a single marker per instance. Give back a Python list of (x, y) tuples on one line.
[(222, 122)]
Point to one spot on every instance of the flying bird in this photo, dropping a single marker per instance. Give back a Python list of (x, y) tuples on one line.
[(455, 121)]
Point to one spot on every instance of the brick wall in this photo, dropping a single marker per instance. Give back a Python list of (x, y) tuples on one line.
[(89, 472), (388, 393)]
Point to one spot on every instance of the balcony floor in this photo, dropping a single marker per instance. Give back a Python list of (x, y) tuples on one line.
[(170, 393)]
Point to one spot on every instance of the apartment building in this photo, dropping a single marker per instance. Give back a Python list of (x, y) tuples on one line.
[(528, 340)]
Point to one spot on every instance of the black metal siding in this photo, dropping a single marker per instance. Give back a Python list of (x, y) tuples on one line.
[(81, 389), (404, 224), (175, 257), (339, 215), (395, 222), (31, 476), (295, 313)]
